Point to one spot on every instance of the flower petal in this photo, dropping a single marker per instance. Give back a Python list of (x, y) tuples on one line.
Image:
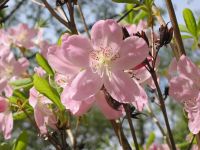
[(77, 50), (59, 63), (133, 51), (182, 88), (76, 107), (107, 110), (85, 85), (125, 90), (187, 68), (106, 33), (6, 124)]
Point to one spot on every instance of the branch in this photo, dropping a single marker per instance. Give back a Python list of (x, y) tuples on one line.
[(53, 13)]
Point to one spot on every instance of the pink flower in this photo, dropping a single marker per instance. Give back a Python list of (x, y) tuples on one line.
[(43, 115), (102, 61), (6, 119), (10, 69), (185, 89), (159, 147), (22, 35)]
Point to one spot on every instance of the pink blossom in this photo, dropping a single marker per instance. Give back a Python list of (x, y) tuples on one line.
[(141, 26), (6, 119), (185, 89), (43, 115), (102, 61), (22, 35), (159, 147), (10, 69)]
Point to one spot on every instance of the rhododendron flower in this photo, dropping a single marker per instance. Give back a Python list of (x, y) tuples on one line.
[(6, 119), (102, 61), (10, 69), (185, 89), (22, 35), (44, 117)]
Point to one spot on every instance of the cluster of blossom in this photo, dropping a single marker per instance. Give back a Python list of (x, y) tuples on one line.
[(88, 69)]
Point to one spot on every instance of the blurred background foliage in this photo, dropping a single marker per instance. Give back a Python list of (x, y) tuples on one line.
[(95, 131)]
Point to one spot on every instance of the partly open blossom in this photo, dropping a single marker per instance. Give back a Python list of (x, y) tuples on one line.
[(102, 61), (44, 116), (22, 35), (10, 69), (185, 88), (6, 119)]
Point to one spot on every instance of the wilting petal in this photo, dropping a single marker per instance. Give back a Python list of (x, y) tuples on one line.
[(77, 50), (106, 109), (106, 33), (59, 63), (85, 85), (6, 124), (182, 88), (122, 88), (133, 51)]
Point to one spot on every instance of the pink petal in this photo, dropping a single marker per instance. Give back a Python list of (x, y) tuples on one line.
[(106, 33), (6, 124), (106, 109), (194, 124), (123, 89), (20, 66), (85, 85), (77, 50), (182, 88), (133, 51), (59, 63), (3, 104), (76, 107), (187, 68)]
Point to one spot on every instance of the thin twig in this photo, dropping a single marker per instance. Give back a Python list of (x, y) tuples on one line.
[(120, 134), (191, 143), (177, 34), (128, 115), (12, 12), (163, 108), (83, 19), (153, 116), (53, 13)]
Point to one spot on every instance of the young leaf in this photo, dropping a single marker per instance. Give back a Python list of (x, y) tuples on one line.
[(150, 140), (190, 21), (141, 15), (186, 36), (22, 83), (183, 28), (44, 64), (21, 142), (43, 86)]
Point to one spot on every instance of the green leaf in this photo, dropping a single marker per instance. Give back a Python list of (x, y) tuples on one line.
[(127, 1), (141, 15), (183, 28), (22, 83), (4, 146), (44, 64), (43, 86), (186, 36), (20, 115), (190, 21), (150, 140), (21, 142), (198, 27)]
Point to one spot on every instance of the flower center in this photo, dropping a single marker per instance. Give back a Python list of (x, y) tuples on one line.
[(101, 60)]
